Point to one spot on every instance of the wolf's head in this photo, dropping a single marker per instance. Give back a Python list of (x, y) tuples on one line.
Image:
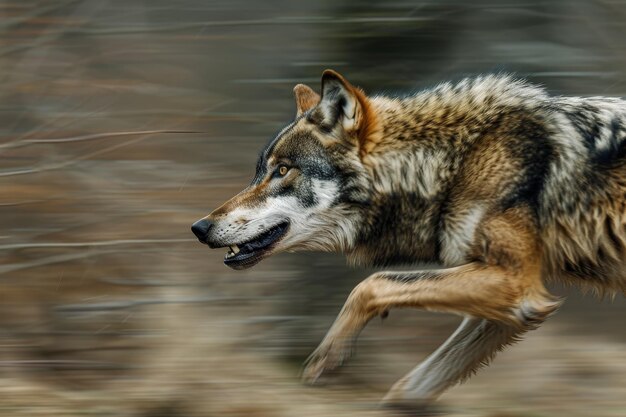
[(310, 181)]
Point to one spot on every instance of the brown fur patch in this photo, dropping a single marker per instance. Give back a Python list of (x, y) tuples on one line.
[(305, 97), (370, 130)]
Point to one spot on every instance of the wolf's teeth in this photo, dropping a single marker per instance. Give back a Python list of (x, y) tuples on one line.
[(234, 249)]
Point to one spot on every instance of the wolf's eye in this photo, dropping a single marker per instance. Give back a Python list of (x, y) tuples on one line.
[(282, 170)]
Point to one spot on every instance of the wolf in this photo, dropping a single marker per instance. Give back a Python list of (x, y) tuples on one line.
[(502, 185)]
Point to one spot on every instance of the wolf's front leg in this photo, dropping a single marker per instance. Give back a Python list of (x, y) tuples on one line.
[(373, 297), (502, 286), (338, 344), (471, 346), (475, 290)]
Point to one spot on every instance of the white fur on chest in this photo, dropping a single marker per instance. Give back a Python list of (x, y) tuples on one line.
[(458, 235)]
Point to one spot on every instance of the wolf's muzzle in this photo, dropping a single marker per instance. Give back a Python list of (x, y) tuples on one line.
[(201, 229)]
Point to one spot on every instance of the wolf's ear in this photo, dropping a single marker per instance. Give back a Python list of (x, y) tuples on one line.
[(342, 103), (306, 98)]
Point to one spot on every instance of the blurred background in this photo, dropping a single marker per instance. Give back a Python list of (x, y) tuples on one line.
[(108, 305)]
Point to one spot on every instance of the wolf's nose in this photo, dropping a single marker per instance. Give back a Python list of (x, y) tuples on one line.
[(201, 229)]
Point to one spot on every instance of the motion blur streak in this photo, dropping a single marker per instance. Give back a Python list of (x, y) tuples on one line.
[(122, 121)]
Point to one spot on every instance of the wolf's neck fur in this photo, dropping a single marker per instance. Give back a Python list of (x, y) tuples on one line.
[(415, 152)]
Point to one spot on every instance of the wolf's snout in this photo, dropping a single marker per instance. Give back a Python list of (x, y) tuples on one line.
[(201, 229)]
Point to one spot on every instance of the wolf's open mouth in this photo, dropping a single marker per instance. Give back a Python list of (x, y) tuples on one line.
[(244, 255)]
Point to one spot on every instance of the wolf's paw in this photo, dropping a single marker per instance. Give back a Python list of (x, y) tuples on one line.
[(326, 358)]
